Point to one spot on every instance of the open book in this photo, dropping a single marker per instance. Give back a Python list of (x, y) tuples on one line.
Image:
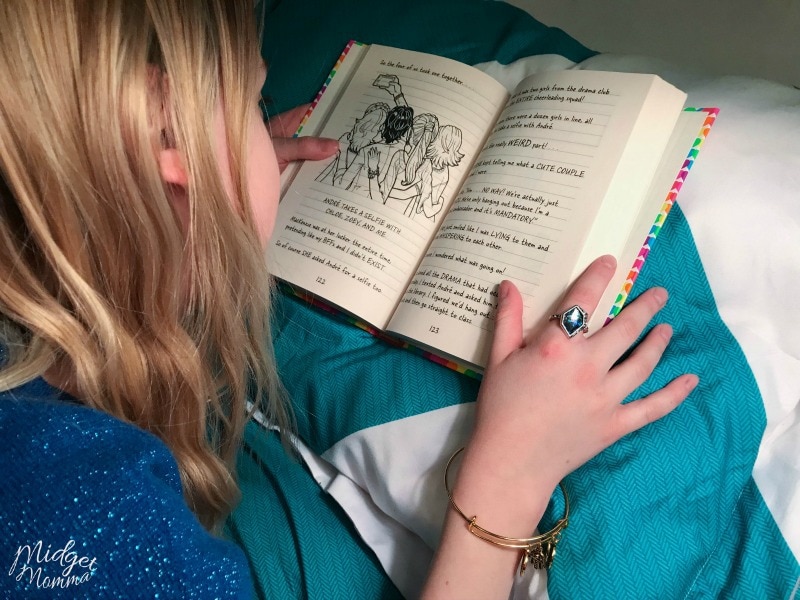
[(446, 184)]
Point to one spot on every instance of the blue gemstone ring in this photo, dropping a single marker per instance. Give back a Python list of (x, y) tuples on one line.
[(573, 320)]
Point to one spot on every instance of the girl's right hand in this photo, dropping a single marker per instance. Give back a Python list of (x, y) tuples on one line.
[(547, 404), (550, 403)]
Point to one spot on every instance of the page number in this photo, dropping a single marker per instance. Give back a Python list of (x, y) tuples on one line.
[(433, 329), (321, 280)]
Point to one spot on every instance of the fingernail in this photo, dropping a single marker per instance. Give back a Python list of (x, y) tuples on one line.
[(660, 294), (608, 261), (691, 382), (502, 293)]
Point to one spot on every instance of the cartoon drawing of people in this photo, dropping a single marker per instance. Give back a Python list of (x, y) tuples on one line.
[(365, 131), (399, 180), (401, 161), (415, 174), (398, 121), (434, 174), (425, 173), (425, 133)]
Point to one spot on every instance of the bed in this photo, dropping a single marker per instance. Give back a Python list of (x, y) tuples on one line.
[(705, 503)]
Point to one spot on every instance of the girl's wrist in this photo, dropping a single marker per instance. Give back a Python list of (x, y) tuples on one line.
[(505, 499)]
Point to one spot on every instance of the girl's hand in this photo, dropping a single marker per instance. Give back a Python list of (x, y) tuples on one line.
[(550, 403), (281, 128), (547, 404)]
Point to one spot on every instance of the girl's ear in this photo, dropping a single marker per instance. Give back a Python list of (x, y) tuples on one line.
[(173, 173), (170, 164)]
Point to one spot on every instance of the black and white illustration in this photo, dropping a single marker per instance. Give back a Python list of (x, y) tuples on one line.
[(395, 156)]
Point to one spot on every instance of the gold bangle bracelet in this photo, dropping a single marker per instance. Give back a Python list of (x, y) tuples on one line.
[(538, 551)]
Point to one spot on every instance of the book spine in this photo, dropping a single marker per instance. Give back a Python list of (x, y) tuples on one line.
[(666, 207)]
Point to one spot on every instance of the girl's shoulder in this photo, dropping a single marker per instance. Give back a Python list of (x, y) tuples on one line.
[(94, 503), (40, 424)]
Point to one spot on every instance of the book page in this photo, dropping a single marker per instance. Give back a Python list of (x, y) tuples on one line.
[(561, 147), (353, 229)]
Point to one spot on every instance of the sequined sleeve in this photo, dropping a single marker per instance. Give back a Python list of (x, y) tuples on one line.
[(92, 507)]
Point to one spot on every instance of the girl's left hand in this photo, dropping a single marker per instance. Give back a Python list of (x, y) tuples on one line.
[(281, 129)]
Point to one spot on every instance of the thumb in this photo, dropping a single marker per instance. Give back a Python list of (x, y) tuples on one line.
[(304, 148), (507, 323)]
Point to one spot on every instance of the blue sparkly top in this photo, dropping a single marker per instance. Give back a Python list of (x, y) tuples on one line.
[(91, 507)]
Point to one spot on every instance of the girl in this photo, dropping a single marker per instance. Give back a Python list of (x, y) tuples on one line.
[(139, 187)]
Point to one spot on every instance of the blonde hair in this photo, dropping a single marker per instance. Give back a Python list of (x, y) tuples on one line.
[(160, 325), (423, 131), (445, 149), (368, 126)]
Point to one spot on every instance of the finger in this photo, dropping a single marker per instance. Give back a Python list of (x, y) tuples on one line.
[(631, 373), (507, 323), (304, 148), (617, 336), (635, 415), (285, 124), (589, 287)]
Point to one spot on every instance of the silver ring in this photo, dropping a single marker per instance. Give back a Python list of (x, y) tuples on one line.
[(572, 321)]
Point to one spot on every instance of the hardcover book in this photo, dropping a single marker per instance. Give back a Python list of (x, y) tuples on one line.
[(446, 183)]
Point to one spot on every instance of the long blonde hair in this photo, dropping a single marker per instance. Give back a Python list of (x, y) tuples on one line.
[(160, 325)]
